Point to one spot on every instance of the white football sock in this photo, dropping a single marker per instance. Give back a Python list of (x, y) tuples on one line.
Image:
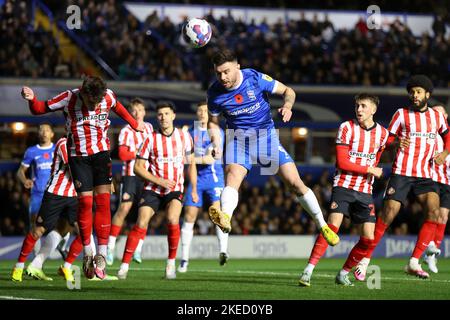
[(66, 241), (112, 243), (223, 240), (92, 244), (311, 205), (343, 272), (171, 262), (139, 246), (51, 242), (124, 266), (309, 268), (187, 233), (20, 265), (229, 200), (67, 265), (431, 245), (103, 249), (37, 247)]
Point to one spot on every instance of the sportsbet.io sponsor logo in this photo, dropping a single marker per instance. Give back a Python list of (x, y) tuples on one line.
[(428, 135)]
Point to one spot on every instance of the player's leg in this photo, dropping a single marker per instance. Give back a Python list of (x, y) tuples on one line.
[(27, 246), (148, 205), (83, 178), (173, 209), (363, 215), (234, 175), (396, 193), (320, 246), (101, 166), (35, 205), (187, 230), (289, 173), (433, 248), (138, 186), (430, 203), (126, 202), (64, 228)]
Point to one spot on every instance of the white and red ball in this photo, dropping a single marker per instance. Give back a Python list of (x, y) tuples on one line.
[(197, 32)]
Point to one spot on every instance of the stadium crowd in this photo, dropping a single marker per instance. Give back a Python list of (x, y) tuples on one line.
[(153, 50), (271, 209)]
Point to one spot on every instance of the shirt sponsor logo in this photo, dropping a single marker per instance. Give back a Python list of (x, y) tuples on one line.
[(428, 135), (99, 117), (370, 156), (249, 110)]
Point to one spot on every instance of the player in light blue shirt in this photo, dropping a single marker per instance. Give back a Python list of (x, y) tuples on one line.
[(241, 96), (210, 183)]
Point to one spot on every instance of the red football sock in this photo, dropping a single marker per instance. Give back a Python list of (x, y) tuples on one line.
[(132, 242), (27, 247), (84, 214), (102, 221), (75, 249), (380, 228), (144, 234), (320, 246), (358, 252), (439, 234), (173, 237), (424, 237), (115, 230)]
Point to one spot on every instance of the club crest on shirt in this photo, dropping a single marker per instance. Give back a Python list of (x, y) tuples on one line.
[(334, 205), (251, 95), (391, 191)]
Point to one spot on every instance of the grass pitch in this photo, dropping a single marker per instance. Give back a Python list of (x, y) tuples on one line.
[(239, 280)]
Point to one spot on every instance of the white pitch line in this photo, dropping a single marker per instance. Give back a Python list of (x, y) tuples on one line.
[(16, 298), (270, 273)]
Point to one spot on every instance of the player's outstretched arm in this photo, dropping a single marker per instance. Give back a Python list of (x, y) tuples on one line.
[(289, 100), (36, 107), (125, 115)]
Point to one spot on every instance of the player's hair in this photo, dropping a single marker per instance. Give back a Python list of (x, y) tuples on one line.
[(45, 123), (166, 104), (420, 80), (223, 56), (368, 96), (202, 103), (94, 87), (136, 101)]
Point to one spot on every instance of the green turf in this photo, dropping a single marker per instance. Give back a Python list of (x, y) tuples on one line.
[(240, 279)]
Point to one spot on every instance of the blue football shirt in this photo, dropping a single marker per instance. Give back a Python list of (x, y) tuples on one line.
[(247, 106), (40, 159)]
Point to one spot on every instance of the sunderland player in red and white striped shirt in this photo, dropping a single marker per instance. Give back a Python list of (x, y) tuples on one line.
[(412, 170), (160, 162), (59, 201), (86, 111), (440, 174), (359, 145), (131, 186)]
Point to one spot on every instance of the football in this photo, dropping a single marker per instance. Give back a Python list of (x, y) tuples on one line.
[(197, 32)]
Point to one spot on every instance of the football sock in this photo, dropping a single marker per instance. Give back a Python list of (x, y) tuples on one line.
[(310, 204), (187, 233)]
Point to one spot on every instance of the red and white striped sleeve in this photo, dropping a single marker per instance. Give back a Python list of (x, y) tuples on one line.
[(189, 143), (443, 126), (396, 122), (62, 151), (344, 133), (124, 137), (147, 146), (60, 101)]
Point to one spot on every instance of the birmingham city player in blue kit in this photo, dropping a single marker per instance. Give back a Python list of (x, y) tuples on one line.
[(210, 183), (242, 97)]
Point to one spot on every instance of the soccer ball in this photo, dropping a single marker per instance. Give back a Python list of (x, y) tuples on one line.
[(197, 32)]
